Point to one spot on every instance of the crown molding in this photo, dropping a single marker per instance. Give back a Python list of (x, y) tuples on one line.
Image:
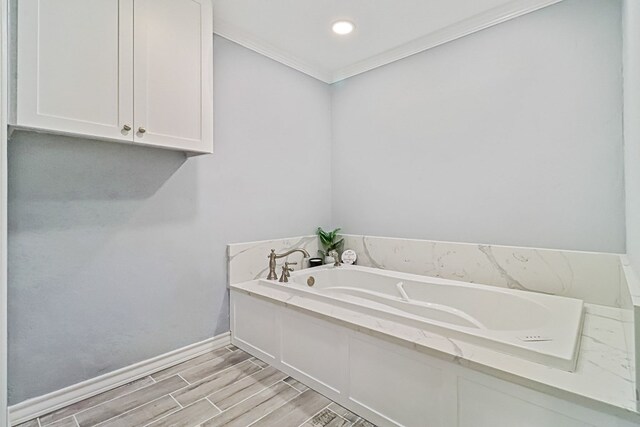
[(491, 17), (452, 32), (231, 32)]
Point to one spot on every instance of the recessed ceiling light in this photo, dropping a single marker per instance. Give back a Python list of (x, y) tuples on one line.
[(342, 27)]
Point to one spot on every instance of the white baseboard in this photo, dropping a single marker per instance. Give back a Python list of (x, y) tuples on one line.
[(41, 405)]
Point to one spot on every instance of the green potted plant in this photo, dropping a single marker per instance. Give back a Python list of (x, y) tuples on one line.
[(330, 241)]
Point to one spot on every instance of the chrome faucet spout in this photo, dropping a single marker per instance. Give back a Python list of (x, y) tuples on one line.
[(273, 256), (301, 250)]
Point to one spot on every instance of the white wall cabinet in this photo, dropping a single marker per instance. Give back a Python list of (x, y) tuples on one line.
[(135, 71)]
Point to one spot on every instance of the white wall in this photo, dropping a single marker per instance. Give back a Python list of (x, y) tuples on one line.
[(117, 253), (512, 135), (631, 59)]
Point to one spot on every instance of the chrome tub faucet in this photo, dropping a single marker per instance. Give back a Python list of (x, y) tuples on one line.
[(273, 256)]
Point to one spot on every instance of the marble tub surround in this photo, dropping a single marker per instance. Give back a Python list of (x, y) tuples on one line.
[(595, 278), (632, 284), (632, 302), (603, 380), (248, 261)]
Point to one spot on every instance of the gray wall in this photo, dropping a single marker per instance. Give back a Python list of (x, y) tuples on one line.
[(117, 253), (631, 68), (510, 136)]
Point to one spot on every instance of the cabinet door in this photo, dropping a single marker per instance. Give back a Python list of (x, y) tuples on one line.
[(173, 74), (75, 66)]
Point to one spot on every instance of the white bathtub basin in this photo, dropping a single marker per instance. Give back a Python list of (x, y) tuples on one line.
[(541, 328)]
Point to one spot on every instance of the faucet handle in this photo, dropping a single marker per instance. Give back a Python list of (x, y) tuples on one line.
[(287, 269), (284, 278)]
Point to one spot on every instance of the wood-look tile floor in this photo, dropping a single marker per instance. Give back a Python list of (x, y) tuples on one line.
[(225, 387)]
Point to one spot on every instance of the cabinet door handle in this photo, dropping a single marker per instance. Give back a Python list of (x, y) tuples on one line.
[(126, 128), (141, 130)]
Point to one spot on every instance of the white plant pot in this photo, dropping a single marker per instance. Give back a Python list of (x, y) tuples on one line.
[(329, 260)]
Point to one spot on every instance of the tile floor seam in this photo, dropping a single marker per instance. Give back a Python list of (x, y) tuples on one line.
[(154, 381), (178, 374), (101, 403), (230, 384), (311, 417), (349, 423), (360, 419), (209, 419), (214, 405), (161, 418), (248, 397), (344, 418), (301, 391), (164, 416), (130, 410), (195, 356), (340, 416), (209, 398), (174, 399), (256, 364), (126, 412), (174, 412), (215, 373), (275, 409), (283, 381)]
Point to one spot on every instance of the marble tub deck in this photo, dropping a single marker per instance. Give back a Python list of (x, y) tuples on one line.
[(224, 387), (604, 379)]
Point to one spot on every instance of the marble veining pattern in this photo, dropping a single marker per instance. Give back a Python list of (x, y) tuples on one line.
[(248, 261), (596, 278), (632, 297), (604, 378), (593, 277)]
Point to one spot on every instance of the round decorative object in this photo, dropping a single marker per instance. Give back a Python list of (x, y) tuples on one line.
[(349, 257), (315, 262)]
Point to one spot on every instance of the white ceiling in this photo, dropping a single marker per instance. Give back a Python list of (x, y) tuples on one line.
[(298, 32)]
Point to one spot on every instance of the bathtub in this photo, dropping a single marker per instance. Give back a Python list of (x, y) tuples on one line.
[(540, 328)]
